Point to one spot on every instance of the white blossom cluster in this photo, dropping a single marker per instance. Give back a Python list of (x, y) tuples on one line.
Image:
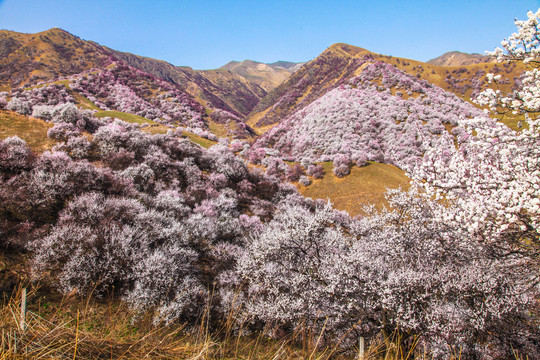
[(402, 270), (522, 46), (492, 176)]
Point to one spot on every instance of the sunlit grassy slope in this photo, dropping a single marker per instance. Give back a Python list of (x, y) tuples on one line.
[(199, 140), (83, 102), (33, 131), (154, 127), (124, 116), (365, 185)]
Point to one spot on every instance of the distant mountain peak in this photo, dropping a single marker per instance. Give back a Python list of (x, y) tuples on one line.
[(234, 64), (56, 30), (458, 58), (284, 64), (345, 49), (268, 75)]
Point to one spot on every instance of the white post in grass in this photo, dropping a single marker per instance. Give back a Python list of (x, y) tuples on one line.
[(23, 309), (361, 348)]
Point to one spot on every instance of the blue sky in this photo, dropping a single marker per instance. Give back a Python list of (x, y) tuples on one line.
[(208, 34)]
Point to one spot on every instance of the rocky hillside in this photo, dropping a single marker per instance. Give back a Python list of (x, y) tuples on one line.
[(30, 58)]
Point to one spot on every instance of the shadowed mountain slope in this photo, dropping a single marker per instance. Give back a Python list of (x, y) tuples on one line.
[(221, 88)]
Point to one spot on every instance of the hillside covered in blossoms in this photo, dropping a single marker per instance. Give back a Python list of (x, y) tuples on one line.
[(175, 199)]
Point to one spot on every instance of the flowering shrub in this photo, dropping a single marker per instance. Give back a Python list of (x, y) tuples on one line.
[(294, 172), (316, 171), (160, 202), (304, 181), (63, 131)]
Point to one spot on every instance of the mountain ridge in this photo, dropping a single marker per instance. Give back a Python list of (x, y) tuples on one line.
[(458, 58), (341, 62), (31, 58), (256, 93), (267, 75)]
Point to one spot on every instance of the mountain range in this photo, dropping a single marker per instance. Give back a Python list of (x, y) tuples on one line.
[(342, 62), (311, 108), (236, 87), (247, 89)]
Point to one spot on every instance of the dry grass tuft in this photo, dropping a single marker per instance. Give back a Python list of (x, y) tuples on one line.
[(74, 328)]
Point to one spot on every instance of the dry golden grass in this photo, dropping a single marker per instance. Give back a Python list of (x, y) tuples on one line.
[(70, 327), (31, 130), (217, 129), (131, 118), (58, 327), (205, 143), (363, 186), (156, 129)]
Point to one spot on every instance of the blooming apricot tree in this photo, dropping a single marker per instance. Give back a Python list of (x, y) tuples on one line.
[(523, 46), (493, 176)]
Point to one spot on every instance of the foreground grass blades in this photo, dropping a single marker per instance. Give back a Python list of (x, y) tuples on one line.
[(71, 327)]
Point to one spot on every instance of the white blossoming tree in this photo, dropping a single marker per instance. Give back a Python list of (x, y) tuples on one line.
[(493, 175), (524, 47)]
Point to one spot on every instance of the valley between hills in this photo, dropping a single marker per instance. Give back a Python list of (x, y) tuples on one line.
[(241, 100), (267, 210)]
